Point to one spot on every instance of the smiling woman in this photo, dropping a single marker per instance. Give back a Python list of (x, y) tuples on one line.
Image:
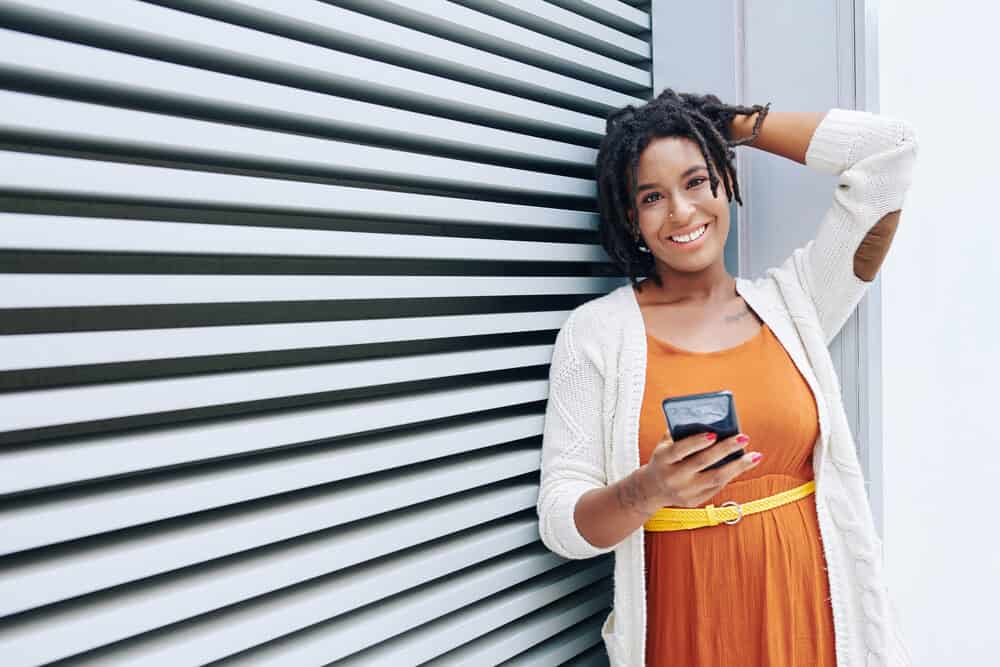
[(658, 173), (678, 213), (797, 584)]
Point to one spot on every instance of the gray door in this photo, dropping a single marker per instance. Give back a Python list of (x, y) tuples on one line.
[(280, 283)]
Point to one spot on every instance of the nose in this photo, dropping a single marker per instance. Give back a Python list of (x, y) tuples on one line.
[(681, 211)]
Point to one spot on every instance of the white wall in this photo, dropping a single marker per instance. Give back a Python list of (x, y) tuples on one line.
[(941, 317)]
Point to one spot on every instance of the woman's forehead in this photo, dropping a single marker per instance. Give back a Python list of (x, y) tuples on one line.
[(670, 152), (669, 157)]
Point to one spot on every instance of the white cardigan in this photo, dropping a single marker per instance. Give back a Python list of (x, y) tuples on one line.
[(598, 372)]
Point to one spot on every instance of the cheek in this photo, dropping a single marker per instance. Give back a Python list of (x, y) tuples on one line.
[(722, 227), (720, 212)]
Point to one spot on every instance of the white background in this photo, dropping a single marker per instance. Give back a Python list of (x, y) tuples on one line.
[(941, 332)]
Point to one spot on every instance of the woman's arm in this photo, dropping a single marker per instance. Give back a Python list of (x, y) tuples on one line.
[(873, 158), (579, 514), (784, 133), (607, 516)]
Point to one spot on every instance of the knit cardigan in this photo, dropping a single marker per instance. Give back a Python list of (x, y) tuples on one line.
[(597, 377)]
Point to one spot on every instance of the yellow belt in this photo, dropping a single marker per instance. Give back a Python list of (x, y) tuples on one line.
[(684, 518)]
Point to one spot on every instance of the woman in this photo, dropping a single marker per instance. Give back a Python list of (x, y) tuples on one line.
[(796, 583)]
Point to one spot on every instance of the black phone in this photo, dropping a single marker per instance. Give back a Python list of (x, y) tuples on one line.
[(713, 411)]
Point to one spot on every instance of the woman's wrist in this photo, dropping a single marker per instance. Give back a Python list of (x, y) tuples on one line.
[(635, 493), (783, 133), (741, 126)]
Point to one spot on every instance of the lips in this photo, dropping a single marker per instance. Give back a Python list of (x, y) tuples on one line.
[(687, 231)]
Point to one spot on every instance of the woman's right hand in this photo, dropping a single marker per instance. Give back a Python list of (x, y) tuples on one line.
[(673, 474)]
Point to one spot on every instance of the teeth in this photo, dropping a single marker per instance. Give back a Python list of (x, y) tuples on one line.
[(690, 237)]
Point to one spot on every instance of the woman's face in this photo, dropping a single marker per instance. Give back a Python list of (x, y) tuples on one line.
[(673, 178)]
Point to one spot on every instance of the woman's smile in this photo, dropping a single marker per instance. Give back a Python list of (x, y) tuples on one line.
[(691, 243)]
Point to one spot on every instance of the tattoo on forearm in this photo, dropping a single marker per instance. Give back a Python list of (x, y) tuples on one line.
[(631, 497)]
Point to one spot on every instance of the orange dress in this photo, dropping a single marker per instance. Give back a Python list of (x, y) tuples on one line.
[(754, 593)]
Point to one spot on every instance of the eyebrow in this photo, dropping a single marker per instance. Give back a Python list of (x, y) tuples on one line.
[(689, 170)]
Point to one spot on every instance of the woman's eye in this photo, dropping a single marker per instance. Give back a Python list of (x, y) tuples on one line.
[(693, 182)]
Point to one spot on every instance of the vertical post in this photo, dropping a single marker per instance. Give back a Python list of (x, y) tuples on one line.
[(869, 388)]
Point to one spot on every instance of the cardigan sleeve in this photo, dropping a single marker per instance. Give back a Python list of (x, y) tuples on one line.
[(572, 461), (873, 157)]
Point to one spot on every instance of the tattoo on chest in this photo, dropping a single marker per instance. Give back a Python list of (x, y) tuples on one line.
[(738, 316)]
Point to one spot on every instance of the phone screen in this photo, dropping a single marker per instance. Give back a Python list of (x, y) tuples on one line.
[(698, 413)]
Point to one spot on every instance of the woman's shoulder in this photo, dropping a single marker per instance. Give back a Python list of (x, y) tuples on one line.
[(594, 326), (602, 313)]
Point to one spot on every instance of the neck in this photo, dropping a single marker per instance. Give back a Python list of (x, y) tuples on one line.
[(712, 285)]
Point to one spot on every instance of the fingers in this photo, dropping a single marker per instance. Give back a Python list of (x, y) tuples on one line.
[(719, 477), (676, 467), (717, 452), (674, 451)]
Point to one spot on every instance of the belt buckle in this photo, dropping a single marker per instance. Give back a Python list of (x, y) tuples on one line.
[(738, 507)]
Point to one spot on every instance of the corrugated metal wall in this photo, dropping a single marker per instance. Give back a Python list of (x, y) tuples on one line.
[(280, 281)]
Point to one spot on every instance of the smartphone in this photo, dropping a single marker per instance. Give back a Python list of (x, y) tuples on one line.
[(713, 411)]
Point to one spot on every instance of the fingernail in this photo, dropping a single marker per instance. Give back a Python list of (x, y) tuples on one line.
[(743, 438), (711, 436), (756, 456)]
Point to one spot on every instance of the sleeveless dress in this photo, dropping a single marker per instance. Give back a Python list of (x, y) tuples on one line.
[(754, 593)]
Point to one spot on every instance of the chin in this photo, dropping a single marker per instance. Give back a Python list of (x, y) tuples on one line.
[(695, 265)]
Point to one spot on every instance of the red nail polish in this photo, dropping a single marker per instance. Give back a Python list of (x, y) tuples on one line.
[(742, 439), (711, 436), (755, 457)]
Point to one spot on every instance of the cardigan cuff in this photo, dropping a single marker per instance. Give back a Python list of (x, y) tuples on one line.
[(832, 146), (568, 542)]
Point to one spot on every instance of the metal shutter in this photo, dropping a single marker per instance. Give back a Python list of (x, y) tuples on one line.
[(279, 289)]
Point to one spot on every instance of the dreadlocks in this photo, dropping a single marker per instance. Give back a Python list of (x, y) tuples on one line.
[(703, 118)]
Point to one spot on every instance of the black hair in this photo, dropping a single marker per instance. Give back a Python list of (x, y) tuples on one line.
[(703, 118)]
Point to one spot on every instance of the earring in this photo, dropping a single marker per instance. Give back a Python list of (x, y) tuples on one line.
[(637, 237)]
